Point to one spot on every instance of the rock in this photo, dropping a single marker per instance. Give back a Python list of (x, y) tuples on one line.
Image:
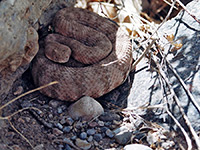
[(110, 133), (16, 147), (19, 90), (91, 131), (90, 138), (86, 108), (123, 137), (147, 89), (60, 126), (67, 147), (55, 103), (136, 147), (83, 144), (97, 137), (101, 123), (120, 129), (67, 129), (83, 135), (66, 119), (108, 116), (93, 124), (39, 147), (57, 132)]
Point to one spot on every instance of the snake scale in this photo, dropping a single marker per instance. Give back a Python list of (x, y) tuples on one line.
[(88, 55)]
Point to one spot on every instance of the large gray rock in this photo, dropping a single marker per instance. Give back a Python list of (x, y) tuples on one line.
[(86, 108), (18, 38), (186, 61)]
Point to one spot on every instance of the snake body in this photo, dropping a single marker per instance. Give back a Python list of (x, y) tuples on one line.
[(98, 56)]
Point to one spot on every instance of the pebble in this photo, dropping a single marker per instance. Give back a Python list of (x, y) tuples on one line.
[(90, 138), (67, 120), (16, 147), (54, 103), (103, 129), (123, 137), (107, 124), (61, 147), (59, 110), (107, 116), (136, 147), (120, 129), (110, 133), (60, 126), (83, 144), (93, 124), (67, 129), (101, 123), (83, 135), (39, 147), (91, 131), (73, 137), (19, 90), (67, 147), (86, 108), (57, 132), (79, 125), (97, 137)]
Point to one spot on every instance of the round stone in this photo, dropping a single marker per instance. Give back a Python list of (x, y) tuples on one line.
[(91, 131), (97, 137), (83, 135)]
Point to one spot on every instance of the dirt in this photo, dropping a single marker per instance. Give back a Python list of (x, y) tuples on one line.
[(40, 128)]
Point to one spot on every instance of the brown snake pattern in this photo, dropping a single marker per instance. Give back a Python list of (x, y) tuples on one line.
[(88, 55)]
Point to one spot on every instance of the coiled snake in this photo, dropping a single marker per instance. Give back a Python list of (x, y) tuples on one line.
[(88, 55)]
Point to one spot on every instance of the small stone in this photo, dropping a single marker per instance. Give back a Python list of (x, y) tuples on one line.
[(86, 108), (59, 110), (57, 132), (67, 147), (101, 123), (110, 133), (79, 125), (93, 124), (54, 103), (19, 90), (107, 116), (103, 129), (91, 131), (96, 143), (83, 135), (115, 122), (97, 137), (66, 119), (16, 147), (90, 138), (120, 129), (83, 144), (61, 147), (73, 137), (39, 147), (123, 137), (107, 124), (50, 116), (58, 125), (136, 147), (67, 129)]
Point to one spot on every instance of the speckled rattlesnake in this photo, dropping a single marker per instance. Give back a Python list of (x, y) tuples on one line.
[(100, 60)]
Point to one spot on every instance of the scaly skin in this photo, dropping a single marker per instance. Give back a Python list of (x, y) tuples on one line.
[(100, 45)]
